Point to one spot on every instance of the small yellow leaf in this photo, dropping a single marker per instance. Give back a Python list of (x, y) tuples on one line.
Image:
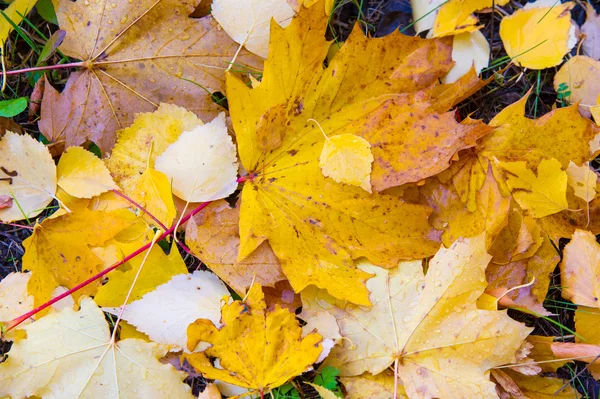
[(27, 175), (580, 76), (539, 37), (14, 300), (257, 349), (323, 392), (583, 181), (13, 13), (456, 16), (542, 195), (580, 270), (82, 174), (469, 50), (153, 192), (380, 386), (347, 158)]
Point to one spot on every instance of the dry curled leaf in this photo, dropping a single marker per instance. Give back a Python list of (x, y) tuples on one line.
[(136, 55)]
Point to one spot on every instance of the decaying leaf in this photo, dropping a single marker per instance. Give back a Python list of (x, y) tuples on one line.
[(58, 253), (71, 354), (14, 300), (411, 310), (539, 37), (591, 30), (248, 22), (165, 313), (137, 55), (201, 163), (27, 175), (347, 158), (579, 74), (257, 349), (542, 194), (582, 179), (514, 385), (213, 236), (83, 175), (380, 386)]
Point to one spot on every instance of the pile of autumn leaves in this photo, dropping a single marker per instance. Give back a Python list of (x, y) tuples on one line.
[(401, 229)]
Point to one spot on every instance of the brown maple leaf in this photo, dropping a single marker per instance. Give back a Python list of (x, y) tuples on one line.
[(136, 54)]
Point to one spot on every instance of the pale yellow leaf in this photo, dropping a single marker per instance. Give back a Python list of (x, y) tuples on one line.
[(469, 50), (27, 175), (580, 269), (583, 181), (347, 158), (70, 354), (324, 393), (202, 163), (580, 76), (82, 174), (248, 22)]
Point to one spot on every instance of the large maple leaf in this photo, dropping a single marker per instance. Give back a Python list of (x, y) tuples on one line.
[(136, 54), (383, 90), (429, 326)]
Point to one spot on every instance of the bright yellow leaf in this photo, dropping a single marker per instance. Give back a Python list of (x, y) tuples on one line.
[(347, 158), (579, 76), (582, 180), (58, 253), (157, 269), (27, 175), (153, 192), (13, 12), (82, 174), (539, 37), (430, 326), (71, 354), (456, 16), (258, 349), (149, 136), (542, 194), (580, 270)]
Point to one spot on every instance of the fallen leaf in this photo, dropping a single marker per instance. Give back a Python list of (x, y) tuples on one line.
[(210, 392), (542, 354), (14, 300), (283, 296), (257, 349), (136, 55), (69, 354), (15, 13), (347, 158), (27, 175), (248, 22), (380, 386), (582, 179), (591, 30), (539, 37), (213, 236), (424, 13), (579, 75), (165, 313), (153, 192), (149, 136), (58, 253), (532, 386), (580, 269), (410, 310), (469, 50), (542, 194), (82, 174), (456, 16), (157, 269), (587, 325), (324, 393), (588, 353), (201, 163)]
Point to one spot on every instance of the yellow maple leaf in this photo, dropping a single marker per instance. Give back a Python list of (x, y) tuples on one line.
[(157, 269), (580, 269), (82, 174), (542, 194), (347, 158), (538, 37), (428, 326), (562, 134), (214, 237), (72, 354), (58, 253), (27, 175), (316, 226), (136, 54), (258, 349)]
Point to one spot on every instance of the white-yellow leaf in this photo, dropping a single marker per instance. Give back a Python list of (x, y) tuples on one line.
[(27, 174), (248, 22), (582, 180), (469, 50), (347, 158), (202, 163)]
